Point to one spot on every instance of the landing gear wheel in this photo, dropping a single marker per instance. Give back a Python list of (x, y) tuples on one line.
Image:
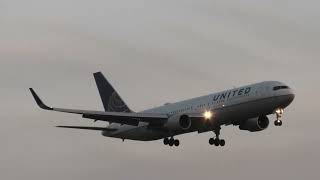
[(176, 142), (278, 123), (171, 142), (279, 114), (222, 142), (216, 142), (165, 141), (211, 141)]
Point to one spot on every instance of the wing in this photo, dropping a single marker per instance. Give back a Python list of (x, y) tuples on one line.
[(115, 117)]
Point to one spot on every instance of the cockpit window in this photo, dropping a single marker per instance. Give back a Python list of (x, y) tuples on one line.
[(280, 87)]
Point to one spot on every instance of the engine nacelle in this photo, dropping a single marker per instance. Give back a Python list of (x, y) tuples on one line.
[(255, 124), (182, 122)]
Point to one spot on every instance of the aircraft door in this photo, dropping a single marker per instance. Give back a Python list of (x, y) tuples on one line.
[(259, 91)]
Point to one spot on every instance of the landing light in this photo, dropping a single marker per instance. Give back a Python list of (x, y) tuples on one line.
[(207, 115), (279, 111)]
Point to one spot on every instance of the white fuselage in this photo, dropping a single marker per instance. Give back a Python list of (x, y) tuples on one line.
[(235, 104)]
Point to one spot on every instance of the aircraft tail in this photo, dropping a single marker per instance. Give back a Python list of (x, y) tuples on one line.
[(111, 100)]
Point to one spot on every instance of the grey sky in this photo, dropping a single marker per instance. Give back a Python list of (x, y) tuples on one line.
[(155, 52)]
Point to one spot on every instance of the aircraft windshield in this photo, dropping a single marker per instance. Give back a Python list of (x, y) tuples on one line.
[(280, 87)]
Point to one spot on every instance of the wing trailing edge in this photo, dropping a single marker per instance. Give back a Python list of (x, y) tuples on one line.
[(115, 117)]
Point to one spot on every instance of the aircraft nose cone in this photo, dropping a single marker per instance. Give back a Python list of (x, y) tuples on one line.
[(291, 98), (287, 100)]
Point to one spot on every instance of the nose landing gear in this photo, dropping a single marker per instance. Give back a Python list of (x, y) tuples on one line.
[(279, 114), (278, 123)]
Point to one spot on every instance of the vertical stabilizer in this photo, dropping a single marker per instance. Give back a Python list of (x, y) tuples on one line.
[(111, 100)]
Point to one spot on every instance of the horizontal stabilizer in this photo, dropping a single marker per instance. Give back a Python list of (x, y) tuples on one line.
[(88, 128)]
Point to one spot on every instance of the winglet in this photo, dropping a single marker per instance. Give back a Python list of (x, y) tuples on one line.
[(39, 101)]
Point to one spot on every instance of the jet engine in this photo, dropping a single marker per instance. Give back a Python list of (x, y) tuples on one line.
[(255, 124), (181, 122)]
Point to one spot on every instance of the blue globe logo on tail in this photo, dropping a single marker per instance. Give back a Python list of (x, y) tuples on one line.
[(116, 104)]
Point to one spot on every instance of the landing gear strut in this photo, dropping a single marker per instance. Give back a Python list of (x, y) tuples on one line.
[(279, 113), (171, 142), (217, 141)]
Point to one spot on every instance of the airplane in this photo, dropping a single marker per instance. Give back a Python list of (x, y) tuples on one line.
[(247, 107)]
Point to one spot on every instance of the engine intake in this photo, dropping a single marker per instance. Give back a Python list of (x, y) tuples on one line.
[(185, 122), (182, 122), (255, 124)]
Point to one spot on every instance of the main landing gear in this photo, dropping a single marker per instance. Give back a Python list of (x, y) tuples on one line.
[(171, 142), (217, 141), (279, 114)]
